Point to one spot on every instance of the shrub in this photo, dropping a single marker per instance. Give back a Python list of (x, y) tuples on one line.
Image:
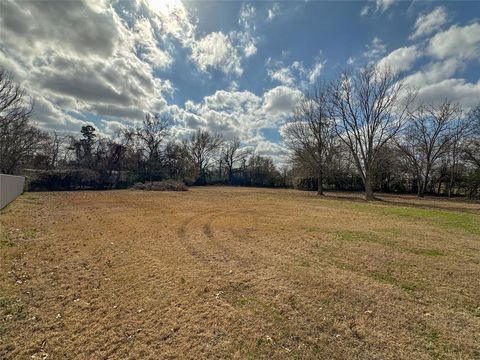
[(78, 179)]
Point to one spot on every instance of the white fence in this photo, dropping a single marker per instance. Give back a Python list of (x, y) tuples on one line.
[(10, 187)]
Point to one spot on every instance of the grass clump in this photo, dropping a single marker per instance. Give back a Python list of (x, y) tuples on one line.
[(16, 309), (5, 240)]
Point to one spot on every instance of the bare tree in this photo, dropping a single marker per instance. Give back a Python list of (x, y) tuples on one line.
[(175, 160), (232, 154), (463, 129), (310, 135), (471, 149), (52, 148), (152, 133), (201, 148), (370, 107), (427, 137), (19, 139)]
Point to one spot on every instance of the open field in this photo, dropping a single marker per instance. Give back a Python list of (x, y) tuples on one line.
[(238, 273)]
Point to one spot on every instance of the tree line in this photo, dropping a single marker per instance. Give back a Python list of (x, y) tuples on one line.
[(147, 152), (365, 130)]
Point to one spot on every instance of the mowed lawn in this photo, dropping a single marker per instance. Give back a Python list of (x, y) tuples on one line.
[(220, 272)]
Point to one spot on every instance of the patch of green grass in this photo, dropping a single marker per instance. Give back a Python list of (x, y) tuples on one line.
[(5, 242), (12, 307), (241, 301), (450, 220), (30, 234), (475, 311)]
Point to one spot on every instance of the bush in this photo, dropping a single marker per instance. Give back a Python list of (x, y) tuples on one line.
[(165, 185), (78, 179)]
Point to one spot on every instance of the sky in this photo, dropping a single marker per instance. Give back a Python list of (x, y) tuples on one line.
[(231, 67)]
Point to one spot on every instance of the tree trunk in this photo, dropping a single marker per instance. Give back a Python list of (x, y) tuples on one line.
[(420, 192), (451, 183), (369, 196), (320, 183), (423, 188)]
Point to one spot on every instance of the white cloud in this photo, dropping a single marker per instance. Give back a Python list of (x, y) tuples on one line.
[(383, 5), (457, 41), (241, 114), (171, 19), (146, 42), (295, 74), (380, 6), (400, 59), (375, 49), (112, 126), (247, 16), (247, 40), (81, 57), (365, 10), (283, 76), (38, 23), (434, 72), (436, 82), (273, 12), (216, 51), (281, 100), (315, 72), (428, 23), (456, 90)]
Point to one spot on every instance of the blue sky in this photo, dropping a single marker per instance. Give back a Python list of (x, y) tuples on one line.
[(231, 67)]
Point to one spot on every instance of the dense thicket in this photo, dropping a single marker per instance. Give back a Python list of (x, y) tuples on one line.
[(364, 131)]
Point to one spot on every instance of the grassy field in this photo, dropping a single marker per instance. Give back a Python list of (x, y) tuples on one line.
[(238, 273)]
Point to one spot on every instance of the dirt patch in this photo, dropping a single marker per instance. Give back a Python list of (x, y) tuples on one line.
[(222, 272)]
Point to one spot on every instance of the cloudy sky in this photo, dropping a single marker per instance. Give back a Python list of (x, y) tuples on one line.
[(230, 67)]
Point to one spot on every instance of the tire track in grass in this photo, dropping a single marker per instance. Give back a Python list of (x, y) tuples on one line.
[(199, 240)]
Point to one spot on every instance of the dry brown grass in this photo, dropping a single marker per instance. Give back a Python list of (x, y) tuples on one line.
[(238, 273)]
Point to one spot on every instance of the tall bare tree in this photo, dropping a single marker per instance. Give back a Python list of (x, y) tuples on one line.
[(232, 154), (370, 107), (52, 148), (427, 137), (471, 149), (152, 133), (19, 139), (310, 134), (201, 148), (463, 129)]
